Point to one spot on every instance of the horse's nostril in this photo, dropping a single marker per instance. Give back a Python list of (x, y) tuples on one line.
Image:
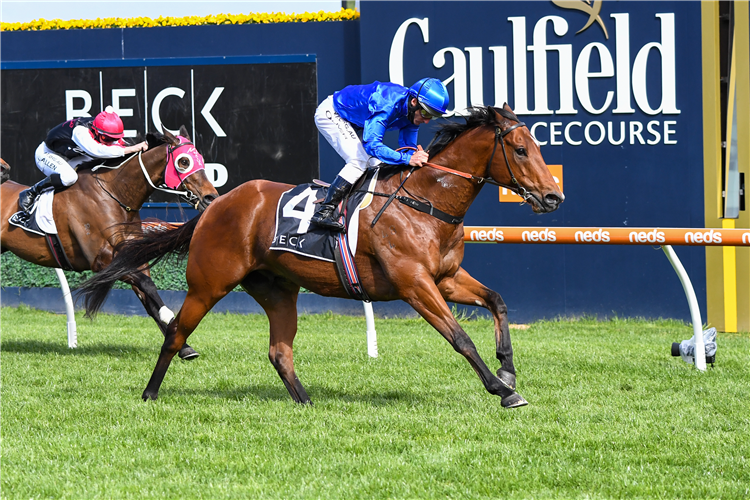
[(552, 199), (209, 198)]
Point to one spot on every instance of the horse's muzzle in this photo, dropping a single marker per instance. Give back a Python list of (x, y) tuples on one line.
[(205, 202), (549, 203)]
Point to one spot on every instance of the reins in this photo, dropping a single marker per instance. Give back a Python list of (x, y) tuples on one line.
[(98, 181), (499, 137)]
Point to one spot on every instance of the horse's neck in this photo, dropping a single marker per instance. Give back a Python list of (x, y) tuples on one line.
[(128, 183), (449, 192)]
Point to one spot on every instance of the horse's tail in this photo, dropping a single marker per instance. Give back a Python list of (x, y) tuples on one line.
[(132, 255)]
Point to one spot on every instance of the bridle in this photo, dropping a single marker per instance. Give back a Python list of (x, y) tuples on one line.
[(188, 195), (499, 137), (428, 208)]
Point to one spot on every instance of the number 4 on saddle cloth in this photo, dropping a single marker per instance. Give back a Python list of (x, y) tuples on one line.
[(40, 221), (294, 232)]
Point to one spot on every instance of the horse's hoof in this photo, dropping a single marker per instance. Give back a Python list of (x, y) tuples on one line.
[(149, 395), (508, 378), (513, 401), (187, 353)]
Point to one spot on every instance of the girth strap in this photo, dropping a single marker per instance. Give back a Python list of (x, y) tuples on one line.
[(347, 269), (55, 246)]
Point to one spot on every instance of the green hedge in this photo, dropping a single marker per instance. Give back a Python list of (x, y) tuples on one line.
[(15, 272)]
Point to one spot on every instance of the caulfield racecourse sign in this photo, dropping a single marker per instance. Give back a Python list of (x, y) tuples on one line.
[(612, 91), (624, 72)]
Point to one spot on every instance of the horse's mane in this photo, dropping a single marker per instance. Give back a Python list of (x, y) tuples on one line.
[(153, 138), (477, 117)]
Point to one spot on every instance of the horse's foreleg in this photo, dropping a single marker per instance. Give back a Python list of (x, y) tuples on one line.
[(462, 288), (426, 299), (146, 291), (279, 299)]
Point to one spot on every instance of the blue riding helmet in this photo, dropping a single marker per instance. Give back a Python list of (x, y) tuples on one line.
[(431, 95)]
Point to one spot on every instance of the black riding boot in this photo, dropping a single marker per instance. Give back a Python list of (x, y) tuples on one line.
[(323, 217), (27, 198)]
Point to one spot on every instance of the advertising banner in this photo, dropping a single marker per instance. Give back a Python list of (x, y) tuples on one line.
[(611, 91), (243, 113)]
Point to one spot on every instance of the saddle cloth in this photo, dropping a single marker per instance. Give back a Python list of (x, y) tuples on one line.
[(294, 232), (39, 220)]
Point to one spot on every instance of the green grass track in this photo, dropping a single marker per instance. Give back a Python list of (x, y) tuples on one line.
[(611, 413)]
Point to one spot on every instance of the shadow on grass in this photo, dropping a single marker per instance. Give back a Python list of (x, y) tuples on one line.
[(318, 394), (39, 347)]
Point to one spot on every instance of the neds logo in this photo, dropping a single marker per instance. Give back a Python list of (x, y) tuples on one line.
[(710, 236), (545, 235), (492, 235), (599, 235), (654, 236)]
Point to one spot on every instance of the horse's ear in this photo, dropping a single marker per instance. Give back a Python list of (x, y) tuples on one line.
[(493, 112), (168, 136), (184, 133)]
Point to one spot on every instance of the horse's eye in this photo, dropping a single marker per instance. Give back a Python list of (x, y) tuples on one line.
[(521, 152)]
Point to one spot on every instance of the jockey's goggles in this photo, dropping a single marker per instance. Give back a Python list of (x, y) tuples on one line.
[(429, 114), (108, 139)]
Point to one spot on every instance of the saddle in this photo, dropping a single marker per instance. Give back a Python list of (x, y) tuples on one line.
[(295, 234), (41, 221)]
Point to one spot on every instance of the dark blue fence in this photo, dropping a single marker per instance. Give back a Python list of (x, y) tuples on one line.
[(617, 105)]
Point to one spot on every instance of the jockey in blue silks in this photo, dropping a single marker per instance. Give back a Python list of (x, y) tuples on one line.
[(354, 121)]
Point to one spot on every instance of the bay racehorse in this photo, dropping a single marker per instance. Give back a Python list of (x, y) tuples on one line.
[(101, 209), (408, 254)]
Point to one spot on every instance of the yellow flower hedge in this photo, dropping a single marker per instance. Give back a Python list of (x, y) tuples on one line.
[(146, 22)]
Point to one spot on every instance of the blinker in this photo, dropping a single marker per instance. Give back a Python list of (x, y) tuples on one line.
[(175, 174)]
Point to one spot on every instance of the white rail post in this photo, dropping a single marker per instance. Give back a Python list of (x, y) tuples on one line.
[(372, 336), (695, 313), (72, 332)]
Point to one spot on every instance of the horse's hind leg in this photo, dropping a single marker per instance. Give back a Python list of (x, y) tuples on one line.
[(195, 307), (425, 297), (146, 291), (278, 297), (462, 288)]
